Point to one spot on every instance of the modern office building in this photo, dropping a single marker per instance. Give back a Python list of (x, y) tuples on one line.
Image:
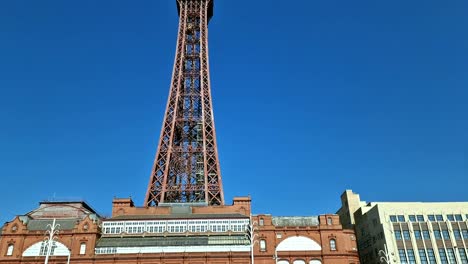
[(184, 218), (412, 232)]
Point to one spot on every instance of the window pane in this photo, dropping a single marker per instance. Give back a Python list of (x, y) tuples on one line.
[(401, 218), (439, 218), (406, 235), (463, 257), (443, 256), (420, 218), (411, 258), (402, 254), (426, 234), (393, 218), (10, 250), (417, 234), (412, 218), (451, 256), (398, 235), (431, 218), (422, 256)]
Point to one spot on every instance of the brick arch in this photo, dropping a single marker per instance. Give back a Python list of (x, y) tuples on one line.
[(298, 243)]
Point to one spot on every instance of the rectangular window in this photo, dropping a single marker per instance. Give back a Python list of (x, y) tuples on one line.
[(451, 256), (431, 218), (440, 218), (402, 254), (417, 234), (393, 218), (398, 235), (437, 234), (411, 258), (458, 217), (457, 234), (423, 257), (450, 217), (465, 233), (463, 257), (426, 234), (406, 235), (443, 256), (431, 256), (10, 250), (82, 248), (412, 218), (401, 218), (420, 218), (262, 245), (445, 234)]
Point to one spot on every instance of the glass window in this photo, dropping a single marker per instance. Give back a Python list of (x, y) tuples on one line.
[(439, 218), (82, 248), (411, 258), (463, 257), (420, 218), (451, 256), (431, 218), (401, 218), (417, 234), (431, 256), (398, 235), (450, 217), (457, 234), (412, 218), (262, 245), (406, 235), (445, 234), (329, 221), (465, 233), (332, 244), (437, 234), (426, 234), (458, 217), (10, 250), (393, 218), (422, 256), (443, 256), (402, 254)]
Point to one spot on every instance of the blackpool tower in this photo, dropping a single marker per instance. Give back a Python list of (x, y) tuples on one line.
[(186, 166)]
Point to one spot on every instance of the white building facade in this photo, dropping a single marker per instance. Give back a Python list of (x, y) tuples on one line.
[(413, 232)]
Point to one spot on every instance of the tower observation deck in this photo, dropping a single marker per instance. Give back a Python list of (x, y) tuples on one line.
[(186, 167)]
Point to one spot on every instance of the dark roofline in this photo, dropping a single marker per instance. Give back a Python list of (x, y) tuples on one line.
[(85, 205), (176, 216)]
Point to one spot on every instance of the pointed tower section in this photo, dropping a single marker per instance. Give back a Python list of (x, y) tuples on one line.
[(186, 167)]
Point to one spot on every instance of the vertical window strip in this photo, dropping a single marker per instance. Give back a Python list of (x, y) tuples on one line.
[(402, 254), (423, 257)]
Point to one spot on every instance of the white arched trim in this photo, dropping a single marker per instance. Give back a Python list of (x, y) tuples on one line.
[(299, 261), (315, 261), (283, 262), (35, 250), (298, 243)]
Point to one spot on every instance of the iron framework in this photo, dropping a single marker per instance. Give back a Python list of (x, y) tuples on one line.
[(186, 167)]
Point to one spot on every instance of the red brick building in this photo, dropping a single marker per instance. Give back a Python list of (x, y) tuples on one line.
[(184, 218), (187, 234)]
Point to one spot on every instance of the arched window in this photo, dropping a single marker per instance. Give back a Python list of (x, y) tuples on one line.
[(10, 250), (82, 248), (262, 222), (329, 221), (332, 244)]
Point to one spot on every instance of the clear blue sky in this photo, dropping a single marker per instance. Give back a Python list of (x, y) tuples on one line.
[(310, 98)]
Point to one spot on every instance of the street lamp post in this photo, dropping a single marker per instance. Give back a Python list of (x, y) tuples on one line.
[(252, 236), (51, 236)]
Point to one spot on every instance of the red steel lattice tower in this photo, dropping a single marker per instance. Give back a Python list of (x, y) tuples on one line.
[(186, 167)]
